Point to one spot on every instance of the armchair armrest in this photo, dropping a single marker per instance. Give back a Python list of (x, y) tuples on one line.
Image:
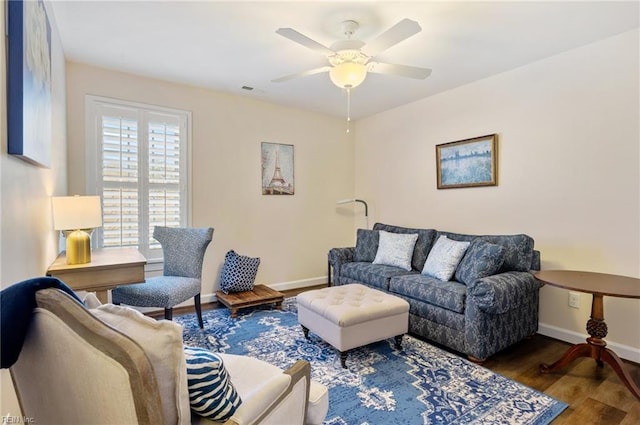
[(502, 292), (338, 257), (280, 398)]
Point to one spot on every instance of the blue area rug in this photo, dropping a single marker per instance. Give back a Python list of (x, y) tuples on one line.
[(420, 384)]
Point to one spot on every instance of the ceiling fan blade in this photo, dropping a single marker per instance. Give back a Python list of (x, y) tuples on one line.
[(400, 70), (302, 74), (394, 35), (302, 39)]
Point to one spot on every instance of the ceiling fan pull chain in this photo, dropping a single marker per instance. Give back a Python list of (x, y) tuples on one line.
[(348, 109)]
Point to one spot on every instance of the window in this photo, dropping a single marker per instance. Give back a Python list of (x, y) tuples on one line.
[(141, 157)]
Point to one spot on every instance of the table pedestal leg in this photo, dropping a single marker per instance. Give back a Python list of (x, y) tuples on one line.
[(596, 348)]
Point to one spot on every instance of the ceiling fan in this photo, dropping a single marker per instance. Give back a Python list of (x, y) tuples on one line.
[(350, 59)]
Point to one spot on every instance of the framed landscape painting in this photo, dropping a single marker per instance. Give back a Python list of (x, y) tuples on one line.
[(277, 169), (467, 163), (29, 82)]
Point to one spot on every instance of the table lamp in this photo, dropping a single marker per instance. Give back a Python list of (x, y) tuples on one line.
[(366, 207), (346, 201), (77, 216)]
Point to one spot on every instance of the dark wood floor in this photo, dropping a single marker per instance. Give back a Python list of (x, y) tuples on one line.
[(595, 395)]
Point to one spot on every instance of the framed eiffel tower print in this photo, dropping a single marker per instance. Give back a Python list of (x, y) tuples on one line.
[(277, 169)]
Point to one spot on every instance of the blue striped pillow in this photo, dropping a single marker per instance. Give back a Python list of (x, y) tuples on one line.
[(211, 392)]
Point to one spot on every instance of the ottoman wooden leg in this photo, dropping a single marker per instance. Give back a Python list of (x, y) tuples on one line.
[(398, 339), (343, 359), (305, 330)]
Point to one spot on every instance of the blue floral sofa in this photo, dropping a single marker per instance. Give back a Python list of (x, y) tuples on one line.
[(490, 303)]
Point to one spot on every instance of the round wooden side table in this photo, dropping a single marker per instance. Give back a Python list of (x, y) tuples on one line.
[(598, 285)]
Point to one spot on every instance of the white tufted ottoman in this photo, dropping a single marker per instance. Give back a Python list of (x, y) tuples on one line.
[(352, 315)]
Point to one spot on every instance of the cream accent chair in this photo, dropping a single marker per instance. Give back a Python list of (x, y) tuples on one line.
[(76, 369)]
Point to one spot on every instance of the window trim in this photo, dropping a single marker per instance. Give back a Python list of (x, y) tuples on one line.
[(93, 165)]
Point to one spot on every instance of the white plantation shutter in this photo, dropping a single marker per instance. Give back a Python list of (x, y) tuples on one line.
[(141, 153), (120, 173), (164, 174)]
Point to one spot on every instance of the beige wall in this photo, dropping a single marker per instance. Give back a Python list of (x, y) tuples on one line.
[(291, 234), (569, 174), (28, 241), (569, 165)]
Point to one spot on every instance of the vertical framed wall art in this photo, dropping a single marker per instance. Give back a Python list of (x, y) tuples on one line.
[(467, 163), (29, 81), (277, 169)]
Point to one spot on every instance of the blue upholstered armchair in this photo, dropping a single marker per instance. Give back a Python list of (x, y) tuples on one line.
[(183, 250)]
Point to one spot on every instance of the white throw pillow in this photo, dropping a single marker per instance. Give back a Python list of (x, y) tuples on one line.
[(396, 249), (161, 341), (444, 257)]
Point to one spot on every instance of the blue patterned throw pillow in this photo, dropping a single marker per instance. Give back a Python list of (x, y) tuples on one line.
[(238, 272), (444, 257), (211, 393), (481, 260), (395, 249)]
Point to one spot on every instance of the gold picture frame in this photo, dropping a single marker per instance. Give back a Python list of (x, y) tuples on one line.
[(468, 163)]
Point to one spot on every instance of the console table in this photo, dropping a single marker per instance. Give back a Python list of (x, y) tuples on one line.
[(109, 267), (598, 285)]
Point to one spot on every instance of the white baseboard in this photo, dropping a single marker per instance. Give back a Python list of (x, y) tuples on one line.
[(623, 351), (280, 286), (297, 284)]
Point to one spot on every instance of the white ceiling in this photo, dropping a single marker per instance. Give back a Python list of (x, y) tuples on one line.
[(227, 45)]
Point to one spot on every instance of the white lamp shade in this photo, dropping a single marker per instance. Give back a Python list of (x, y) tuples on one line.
[(348, 74), (345, 201), (76, 212)]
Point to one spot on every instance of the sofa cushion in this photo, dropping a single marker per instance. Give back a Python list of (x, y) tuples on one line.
[(366, 245), (481, 259), (433, 313), (395, 249), (444, 258), (211, 393), (518, 254), (375, 275), (426, 238), (450, 294), (238, 272)]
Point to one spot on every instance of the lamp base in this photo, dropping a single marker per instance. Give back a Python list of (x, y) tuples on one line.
[(78, 247)]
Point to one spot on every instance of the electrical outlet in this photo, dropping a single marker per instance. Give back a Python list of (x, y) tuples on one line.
[(574, 299)]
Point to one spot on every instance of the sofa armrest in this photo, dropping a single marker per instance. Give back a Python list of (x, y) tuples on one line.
[(502, 292), (338, 257)]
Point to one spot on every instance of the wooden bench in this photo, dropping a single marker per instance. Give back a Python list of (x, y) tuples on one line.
[(260, 295)]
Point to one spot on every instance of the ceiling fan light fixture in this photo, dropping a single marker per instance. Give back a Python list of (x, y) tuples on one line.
[(348, 75)]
